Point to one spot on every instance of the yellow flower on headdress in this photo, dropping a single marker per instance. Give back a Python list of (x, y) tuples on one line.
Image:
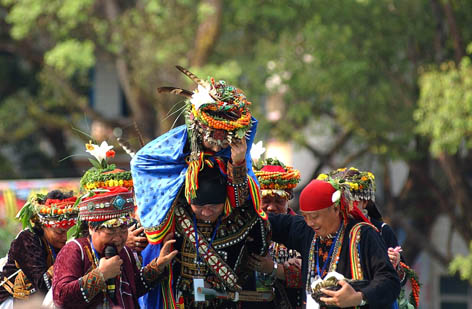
[(353, 186), (371, 175), (322, 177)]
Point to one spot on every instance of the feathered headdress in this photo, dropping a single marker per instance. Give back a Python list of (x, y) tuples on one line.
[(215, 112)]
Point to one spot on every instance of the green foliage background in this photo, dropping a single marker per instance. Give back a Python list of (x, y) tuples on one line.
[(387, 80)]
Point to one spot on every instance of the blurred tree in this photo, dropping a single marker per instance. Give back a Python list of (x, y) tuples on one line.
[(365, 73), (61, 41), (356, 69)]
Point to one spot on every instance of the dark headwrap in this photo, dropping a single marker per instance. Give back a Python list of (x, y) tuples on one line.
[(211, 187)]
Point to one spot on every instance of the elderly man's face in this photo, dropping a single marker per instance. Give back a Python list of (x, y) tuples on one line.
[(208, 212), (324, 222), (274, 204), (115, 236)]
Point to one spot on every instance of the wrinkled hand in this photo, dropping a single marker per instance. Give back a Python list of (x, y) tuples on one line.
[(111, 267), (394, 256), (263, 264), (134, 241), (166, 255), (238, 150), (344, 297)]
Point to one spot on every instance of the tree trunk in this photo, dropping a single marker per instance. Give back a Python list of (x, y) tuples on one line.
[(459, 50), (207, 33)]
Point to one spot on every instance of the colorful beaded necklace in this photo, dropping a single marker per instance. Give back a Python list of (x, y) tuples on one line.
[(312, 261)]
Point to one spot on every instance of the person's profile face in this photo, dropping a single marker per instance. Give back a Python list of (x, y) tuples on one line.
[(56, 236), (274, 204), (324, 222), (207, 212)]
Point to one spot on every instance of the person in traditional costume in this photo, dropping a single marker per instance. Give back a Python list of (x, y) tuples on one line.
[(335, 238), (219, 132), (30, 264), (282, 266), (98, 270), (214, 247), (362, 191)]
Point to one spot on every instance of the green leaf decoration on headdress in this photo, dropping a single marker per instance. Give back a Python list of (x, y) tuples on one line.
[(27, 212)]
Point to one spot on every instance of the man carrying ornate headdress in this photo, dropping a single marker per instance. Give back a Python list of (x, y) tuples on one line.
[(282, 266), (218, 134), (30, 265), (361, 186), (344, 259), (97, 269)]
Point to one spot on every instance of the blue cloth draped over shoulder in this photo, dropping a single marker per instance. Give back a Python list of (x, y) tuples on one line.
[(159, 168), (158, 171)]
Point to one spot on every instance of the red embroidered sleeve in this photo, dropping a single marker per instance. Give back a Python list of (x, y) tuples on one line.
[(293, 276)]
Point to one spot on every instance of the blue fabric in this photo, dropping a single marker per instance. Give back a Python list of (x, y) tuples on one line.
[(158, 171), (152, 299)]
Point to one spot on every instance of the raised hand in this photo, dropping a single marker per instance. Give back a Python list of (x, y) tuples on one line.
[(238, 150), (394, 255), (134, 241), (167, 254)]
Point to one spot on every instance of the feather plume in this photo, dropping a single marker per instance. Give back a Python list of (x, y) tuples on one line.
[(126, 147), (176, 91), (193, 77), (140, 137)]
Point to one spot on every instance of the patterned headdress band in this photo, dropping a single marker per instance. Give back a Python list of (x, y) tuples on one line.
[(276, 178), (116, 203), (56, 213)]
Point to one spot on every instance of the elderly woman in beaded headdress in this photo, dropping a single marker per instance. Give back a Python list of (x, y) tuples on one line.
[(219, 132), (98, 270), (361, 186), (282, 267), (29, 269)]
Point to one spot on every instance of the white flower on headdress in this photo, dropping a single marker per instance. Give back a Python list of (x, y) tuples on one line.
[(99, 152), (257, 150), (201, 96), (336, 196)]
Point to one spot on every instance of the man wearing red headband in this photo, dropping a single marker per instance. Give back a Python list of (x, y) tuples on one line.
[(32, 254), (333, 237)]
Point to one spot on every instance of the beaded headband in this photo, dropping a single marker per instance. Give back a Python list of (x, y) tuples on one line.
[(49, 213), (118, 202), (276, 178), (57, 213)]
